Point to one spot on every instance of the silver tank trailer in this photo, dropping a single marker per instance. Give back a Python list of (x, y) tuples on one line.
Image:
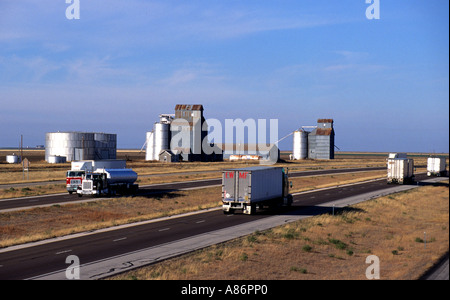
[(119, 175)]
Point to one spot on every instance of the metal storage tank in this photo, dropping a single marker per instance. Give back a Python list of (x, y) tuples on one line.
[(55, 159), (162, 138), (300, 147), (105, 146), (159, 138), (149, 152), (12, 159), (80, 145)]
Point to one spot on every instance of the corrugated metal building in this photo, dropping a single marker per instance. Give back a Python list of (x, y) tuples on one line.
[(321, 140), (189, 125)]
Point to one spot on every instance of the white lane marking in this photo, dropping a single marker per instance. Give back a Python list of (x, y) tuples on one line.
[(198, 222), (62, 252), (164, 229), (121, 239)]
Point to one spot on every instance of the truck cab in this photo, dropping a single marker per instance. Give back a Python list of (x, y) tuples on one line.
[(74, 178), (93, 184)]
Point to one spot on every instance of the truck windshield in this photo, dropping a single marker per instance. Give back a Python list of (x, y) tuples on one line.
[(75, 173)]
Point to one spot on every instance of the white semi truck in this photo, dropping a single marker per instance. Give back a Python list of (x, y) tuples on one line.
[(74, 177), (248, 188), (108, 182), (400, 170)]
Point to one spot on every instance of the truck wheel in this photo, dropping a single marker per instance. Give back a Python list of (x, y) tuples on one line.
[(291, 200)]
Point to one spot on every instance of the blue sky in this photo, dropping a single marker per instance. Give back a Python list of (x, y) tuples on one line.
[(385, 82)]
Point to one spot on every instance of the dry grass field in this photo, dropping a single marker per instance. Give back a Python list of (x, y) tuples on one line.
[(328, 247)]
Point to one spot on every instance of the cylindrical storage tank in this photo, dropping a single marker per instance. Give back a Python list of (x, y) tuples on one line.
[(71, 145), (303, 144), (12, 159), (162, 139), (296, 145), (150, 150), (105, 145), (55, 159), (300, 147)]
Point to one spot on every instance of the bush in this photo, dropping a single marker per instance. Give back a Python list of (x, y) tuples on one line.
[(244, 257), (291, 234), (338, 244), (307, 248), (300, 270)]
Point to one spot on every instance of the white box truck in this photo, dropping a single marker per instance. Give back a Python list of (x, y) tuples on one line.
[(246, 188), (74, 177), (108, 182), (400, 170), (436, 166)]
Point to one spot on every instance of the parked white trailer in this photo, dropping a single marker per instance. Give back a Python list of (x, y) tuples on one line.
[(244, 189), (108, 182), (400, 170), (436, 166)]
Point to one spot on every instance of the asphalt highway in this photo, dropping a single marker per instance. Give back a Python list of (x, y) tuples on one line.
[(25, 263), (34, 201)]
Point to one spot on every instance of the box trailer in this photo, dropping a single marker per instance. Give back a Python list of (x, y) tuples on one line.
[(436, 166), (74, 177), (246, 188), (400, 170)]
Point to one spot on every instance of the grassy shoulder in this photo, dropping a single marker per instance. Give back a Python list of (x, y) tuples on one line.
[(328, 247)]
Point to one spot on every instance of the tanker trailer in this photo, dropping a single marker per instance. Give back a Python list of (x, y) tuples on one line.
[(108, 182)]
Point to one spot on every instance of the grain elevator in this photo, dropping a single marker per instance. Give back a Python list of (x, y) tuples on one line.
[(315, 144)]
